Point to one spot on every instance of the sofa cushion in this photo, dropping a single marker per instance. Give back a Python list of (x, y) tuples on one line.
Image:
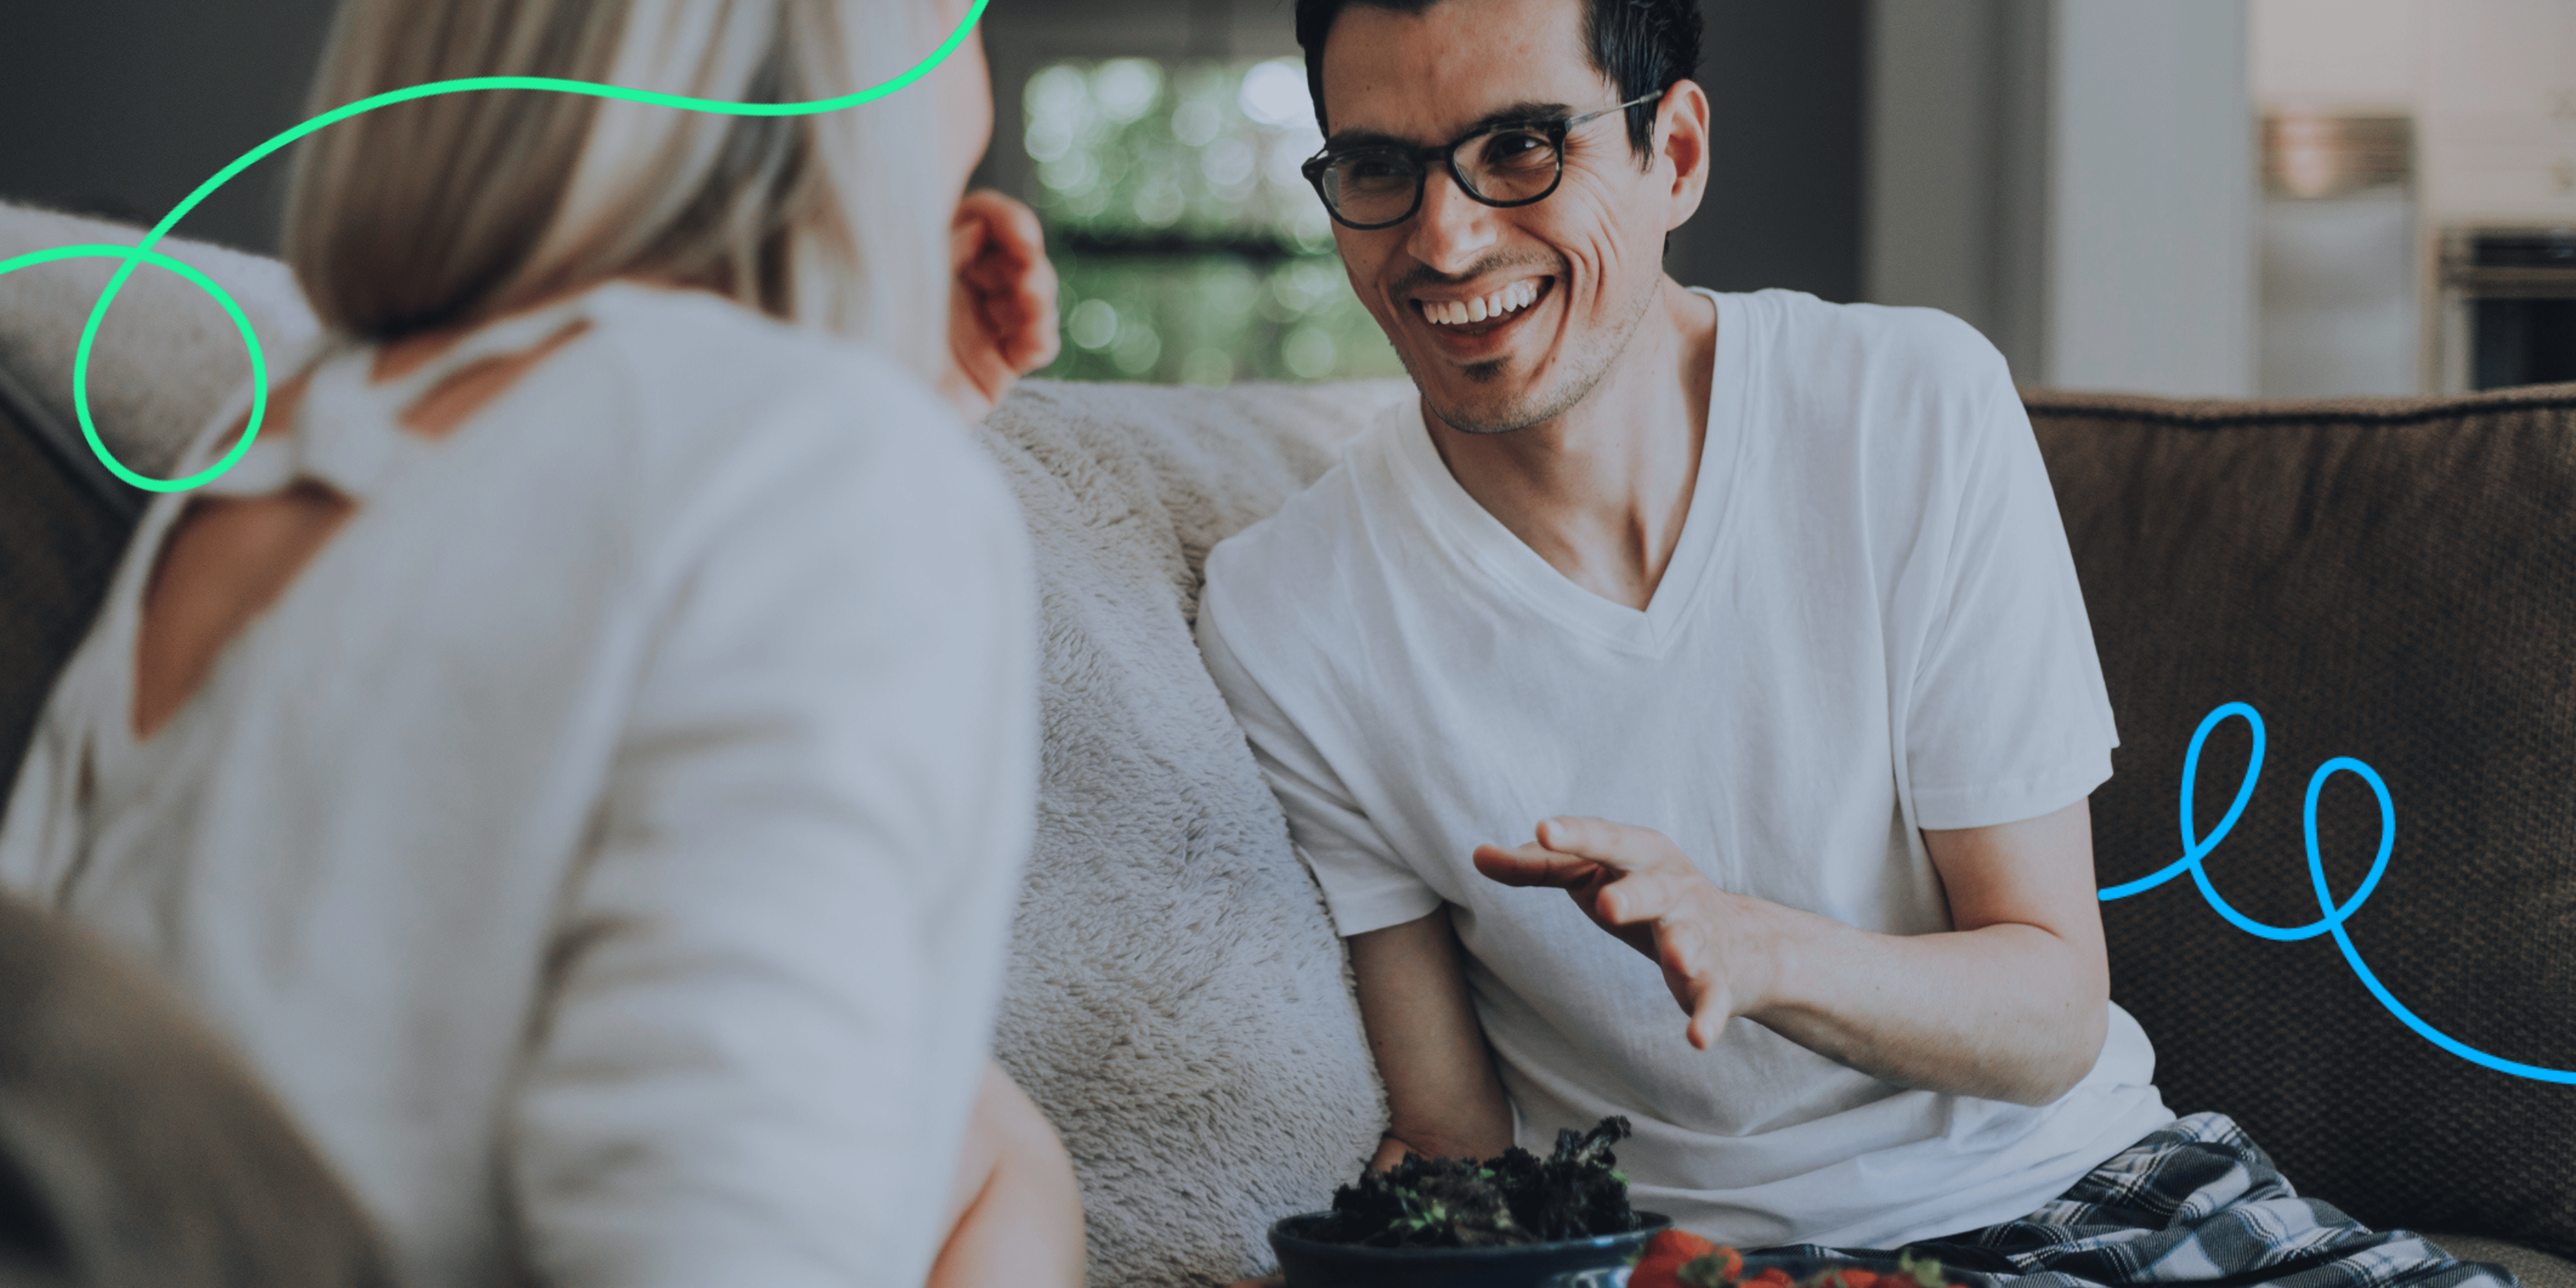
[(2536, 1269), (166, 355), (2390, 581), (1177, 999)]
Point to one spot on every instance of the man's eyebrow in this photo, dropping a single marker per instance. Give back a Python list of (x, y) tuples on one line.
[(1524, 113)]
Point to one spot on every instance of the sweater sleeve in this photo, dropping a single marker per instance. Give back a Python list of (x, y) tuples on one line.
[(771, 987)]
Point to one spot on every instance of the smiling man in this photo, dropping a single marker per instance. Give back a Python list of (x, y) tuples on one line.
[(1757, 612)]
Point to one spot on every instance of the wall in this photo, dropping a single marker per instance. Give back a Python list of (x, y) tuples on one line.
[(2151, 198), (1785, 87), (1954, 208), (122, 107), (2075, 177)]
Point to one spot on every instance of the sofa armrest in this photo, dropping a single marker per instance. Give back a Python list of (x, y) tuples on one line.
[(167, 355)]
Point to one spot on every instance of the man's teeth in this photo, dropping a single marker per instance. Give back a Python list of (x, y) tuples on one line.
[(1518, 295)]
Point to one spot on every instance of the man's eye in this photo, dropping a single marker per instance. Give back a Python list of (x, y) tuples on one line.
[(1371, 169), (1516, 149)]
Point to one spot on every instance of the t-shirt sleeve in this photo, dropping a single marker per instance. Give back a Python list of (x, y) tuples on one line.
[(2009, 719), (1365, 886)]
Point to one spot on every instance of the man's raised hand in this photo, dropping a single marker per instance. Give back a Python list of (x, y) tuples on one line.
[(1635, 883)]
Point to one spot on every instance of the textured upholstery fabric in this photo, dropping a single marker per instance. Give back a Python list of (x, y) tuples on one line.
[(58, 543), (1177, 1002), (2534, 1268), (2394, 582)]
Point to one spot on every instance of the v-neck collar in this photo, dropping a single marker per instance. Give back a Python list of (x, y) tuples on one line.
[(1481, 540)]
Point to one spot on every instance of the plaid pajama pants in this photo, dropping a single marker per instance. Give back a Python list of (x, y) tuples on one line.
[(2196, 1203)]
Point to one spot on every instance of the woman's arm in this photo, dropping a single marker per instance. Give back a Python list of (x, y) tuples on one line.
[(1015, 1211), (1442, 1098)]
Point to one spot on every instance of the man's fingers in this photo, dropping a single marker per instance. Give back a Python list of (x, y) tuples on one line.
[(1706, 1023), (1643, 895), (1532, 865), (1628, 898), (1602, 841), (1711, 1006)]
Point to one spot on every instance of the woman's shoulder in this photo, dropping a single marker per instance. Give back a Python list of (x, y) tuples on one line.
[(687, 349), (708, 390)]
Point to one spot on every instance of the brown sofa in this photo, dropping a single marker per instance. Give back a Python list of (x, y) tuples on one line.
[(2393, 581), (2390, 581)]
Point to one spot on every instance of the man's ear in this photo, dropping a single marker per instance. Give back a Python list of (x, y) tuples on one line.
[(1681, 139)]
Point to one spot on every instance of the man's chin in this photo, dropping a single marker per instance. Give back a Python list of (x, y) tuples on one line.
[(1490, 398), (1483, 416)]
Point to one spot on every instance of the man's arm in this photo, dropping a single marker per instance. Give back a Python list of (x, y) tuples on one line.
[(1442, 1097), (2012, 1004)]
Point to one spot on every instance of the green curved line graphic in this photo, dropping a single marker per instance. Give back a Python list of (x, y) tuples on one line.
[(141, 254), (133, 256)]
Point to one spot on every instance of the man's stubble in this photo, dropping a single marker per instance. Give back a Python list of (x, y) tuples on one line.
[(1570, 392)]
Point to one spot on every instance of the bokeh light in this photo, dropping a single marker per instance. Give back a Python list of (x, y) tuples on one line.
[(1190, 247)]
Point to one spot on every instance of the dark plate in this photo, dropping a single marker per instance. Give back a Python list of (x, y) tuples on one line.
[(1309, 1264)]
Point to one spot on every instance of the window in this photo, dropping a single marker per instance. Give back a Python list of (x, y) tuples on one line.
[(1190, 248)]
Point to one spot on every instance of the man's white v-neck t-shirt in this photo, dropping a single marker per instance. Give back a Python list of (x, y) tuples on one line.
[(1870, 625)]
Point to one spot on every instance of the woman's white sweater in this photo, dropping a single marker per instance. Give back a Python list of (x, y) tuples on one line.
[(604, 846)]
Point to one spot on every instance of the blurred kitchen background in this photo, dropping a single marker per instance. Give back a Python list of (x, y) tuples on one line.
[(2236, 198)]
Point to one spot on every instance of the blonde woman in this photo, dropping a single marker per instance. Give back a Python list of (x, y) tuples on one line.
[(584, 754)]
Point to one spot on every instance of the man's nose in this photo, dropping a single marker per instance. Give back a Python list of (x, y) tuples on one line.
[(1452, 230)]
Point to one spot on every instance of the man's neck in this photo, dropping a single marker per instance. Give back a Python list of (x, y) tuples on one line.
[(1601, 491)]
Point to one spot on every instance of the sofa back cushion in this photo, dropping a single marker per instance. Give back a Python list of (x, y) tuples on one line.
[(1177, 999), (2394, 582)]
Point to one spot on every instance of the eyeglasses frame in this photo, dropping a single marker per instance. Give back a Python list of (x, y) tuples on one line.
[(1421, 157)]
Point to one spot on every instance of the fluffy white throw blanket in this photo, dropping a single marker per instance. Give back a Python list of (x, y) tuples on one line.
[(1177, 1001)]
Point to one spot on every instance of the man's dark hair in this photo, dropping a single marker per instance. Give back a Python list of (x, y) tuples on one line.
[(1640, 46)]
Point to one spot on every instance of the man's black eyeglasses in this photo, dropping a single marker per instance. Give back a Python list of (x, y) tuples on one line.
[(1380, 185)]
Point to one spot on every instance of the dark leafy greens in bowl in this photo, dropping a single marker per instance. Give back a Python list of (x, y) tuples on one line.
[(1515, 1197), (1510, 1221)]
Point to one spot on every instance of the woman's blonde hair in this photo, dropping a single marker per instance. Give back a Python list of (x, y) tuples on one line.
[(450, 210)]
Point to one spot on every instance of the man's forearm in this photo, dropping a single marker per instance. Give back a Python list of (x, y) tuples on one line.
[(1442, 1097), (2011, 1006), (2007, 1011)]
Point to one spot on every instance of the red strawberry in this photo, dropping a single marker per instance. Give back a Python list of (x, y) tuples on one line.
[(1666, 1253), (1715, 1270)]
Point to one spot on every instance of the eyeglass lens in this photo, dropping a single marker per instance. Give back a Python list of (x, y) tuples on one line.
[(1380, 186)]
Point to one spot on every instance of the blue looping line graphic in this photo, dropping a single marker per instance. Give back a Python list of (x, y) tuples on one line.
[(2196, 848)]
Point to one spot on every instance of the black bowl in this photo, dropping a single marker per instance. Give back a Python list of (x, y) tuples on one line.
[(1309, 1264)]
